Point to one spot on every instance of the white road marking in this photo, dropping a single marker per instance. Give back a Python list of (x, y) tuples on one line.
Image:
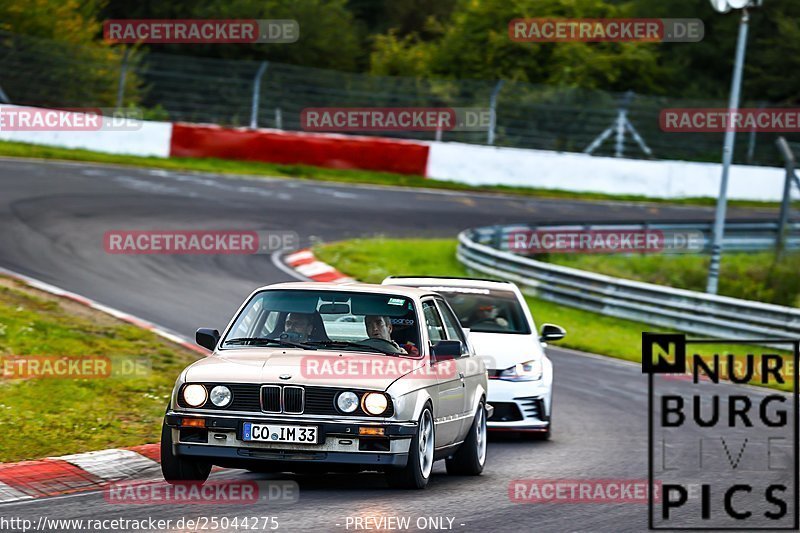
[(10, 494), (113, 464)]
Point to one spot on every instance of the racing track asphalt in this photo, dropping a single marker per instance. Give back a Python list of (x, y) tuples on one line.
[(52, 219)]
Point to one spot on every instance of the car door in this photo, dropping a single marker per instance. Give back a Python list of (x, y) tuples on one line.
[(449, 387), (467, 368)]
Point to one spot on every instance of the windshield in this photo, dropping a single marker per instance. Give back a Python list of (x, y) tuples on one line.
[(486, 310), (308, 319)]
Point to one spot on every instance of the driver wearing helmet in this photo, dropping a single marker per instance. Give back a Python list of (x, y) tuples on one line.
[(489, 312), (380, 327)]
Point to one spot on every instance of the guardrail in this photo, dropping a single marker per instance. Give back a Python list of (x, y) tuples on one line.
[(485, 250)]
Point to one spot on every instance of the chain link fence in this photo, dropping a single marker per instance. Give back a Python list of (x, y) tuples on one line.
[(265, 94)]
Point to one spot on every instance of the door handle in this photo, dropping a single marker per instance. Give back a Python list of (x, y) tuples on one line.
[(461, 377)]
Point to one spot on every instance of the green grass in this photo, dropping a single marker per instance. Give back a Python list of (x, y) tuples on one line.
[(754, 276), (253, 168), (371, 260), (55, 416)]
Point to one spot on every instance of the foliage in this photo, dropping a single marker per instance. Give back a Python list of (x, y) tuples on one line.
[(84, 70)]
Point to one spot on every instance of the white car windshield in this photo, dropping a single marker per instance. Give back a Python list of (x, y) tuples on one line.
[(308, 319), (486, 310)]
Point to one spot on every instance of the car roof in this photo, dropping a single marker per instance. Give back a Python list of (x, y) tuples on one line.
[(411, 292), (451, 281)]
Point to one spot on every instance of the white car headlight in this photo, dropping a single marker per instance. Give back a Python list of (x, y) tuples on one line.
[(527, 371), (195, 395), (220, 396), (374, 403), (347, 402)]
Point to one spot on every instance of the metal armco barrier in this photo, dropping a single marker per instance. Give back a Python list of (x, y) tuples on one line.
[(485, 250)]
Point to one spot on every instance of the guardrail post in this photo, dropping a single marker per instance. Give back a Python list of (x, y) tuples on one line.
[(497, 238), (257, 93)]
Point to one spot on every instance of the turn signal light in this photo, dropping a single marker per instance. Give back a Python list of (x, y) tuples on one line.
[(378, 432), (193, 422)]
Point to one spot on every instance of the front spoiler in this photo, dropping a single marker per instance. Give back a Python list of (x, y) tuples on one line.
[(291, 456)]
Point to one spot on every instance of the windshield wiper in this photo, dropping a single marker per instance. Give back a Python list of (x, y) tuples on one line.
[(265, 341), (351, 345)]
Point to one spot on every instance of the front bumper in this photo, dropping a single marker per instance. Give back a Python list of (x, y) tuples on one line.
[(220, 442), (520, 405)]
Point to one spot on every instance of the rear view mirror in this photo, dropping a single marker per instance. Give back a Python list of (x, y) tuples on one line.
[(444, 350), (207, 338), (334, 309), (551, 332)]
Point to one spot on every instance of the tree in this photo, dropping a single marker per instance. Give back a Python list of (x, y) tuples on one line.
[(328, 33), (475, 44), (79, 72)]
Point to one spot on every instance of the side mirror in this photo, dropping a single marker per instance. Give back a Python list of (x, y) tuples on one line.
[(207, 338), (445, 350), (551, 332)]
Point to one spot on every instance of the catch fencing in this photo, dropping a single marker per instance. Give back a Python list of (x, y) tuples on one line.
[(265, 94)]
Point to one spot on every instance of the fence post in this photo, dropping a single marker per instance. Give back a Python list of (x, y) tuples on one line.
[(493, 112), (783, 217), (278, 118), (257, 93), (751, 141), (4, 97), (123, 73)]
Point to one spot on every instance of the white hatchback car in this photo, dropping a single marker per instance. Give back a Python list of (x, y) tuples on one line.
[(503, 333)]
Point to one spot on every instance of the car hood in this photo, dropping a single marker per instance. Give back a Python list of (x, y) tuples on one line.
[(504, 350), (304, 367)]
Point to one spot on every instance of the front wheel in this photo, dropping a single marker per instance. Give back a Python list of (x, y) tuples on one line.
[(471, 456), (417, 471), (177, 469)]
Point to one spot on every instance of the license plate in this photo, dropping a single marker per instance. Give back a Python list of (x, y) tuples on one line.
[(275, 433)]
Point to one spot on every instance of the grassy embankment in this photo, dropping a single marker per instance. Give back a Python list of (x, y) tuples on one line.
[(45, 416), (757, 276)]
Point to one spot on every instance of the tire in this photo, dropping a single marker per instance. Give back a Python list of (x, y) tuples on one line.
[(417, 472), (176, 469), (471, 455)]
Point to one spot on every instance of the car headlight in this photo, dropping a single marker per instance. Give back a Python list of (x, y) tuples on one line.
[(195, 395), (528, 371), (220, 396), (374, 403), (347, 402)]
